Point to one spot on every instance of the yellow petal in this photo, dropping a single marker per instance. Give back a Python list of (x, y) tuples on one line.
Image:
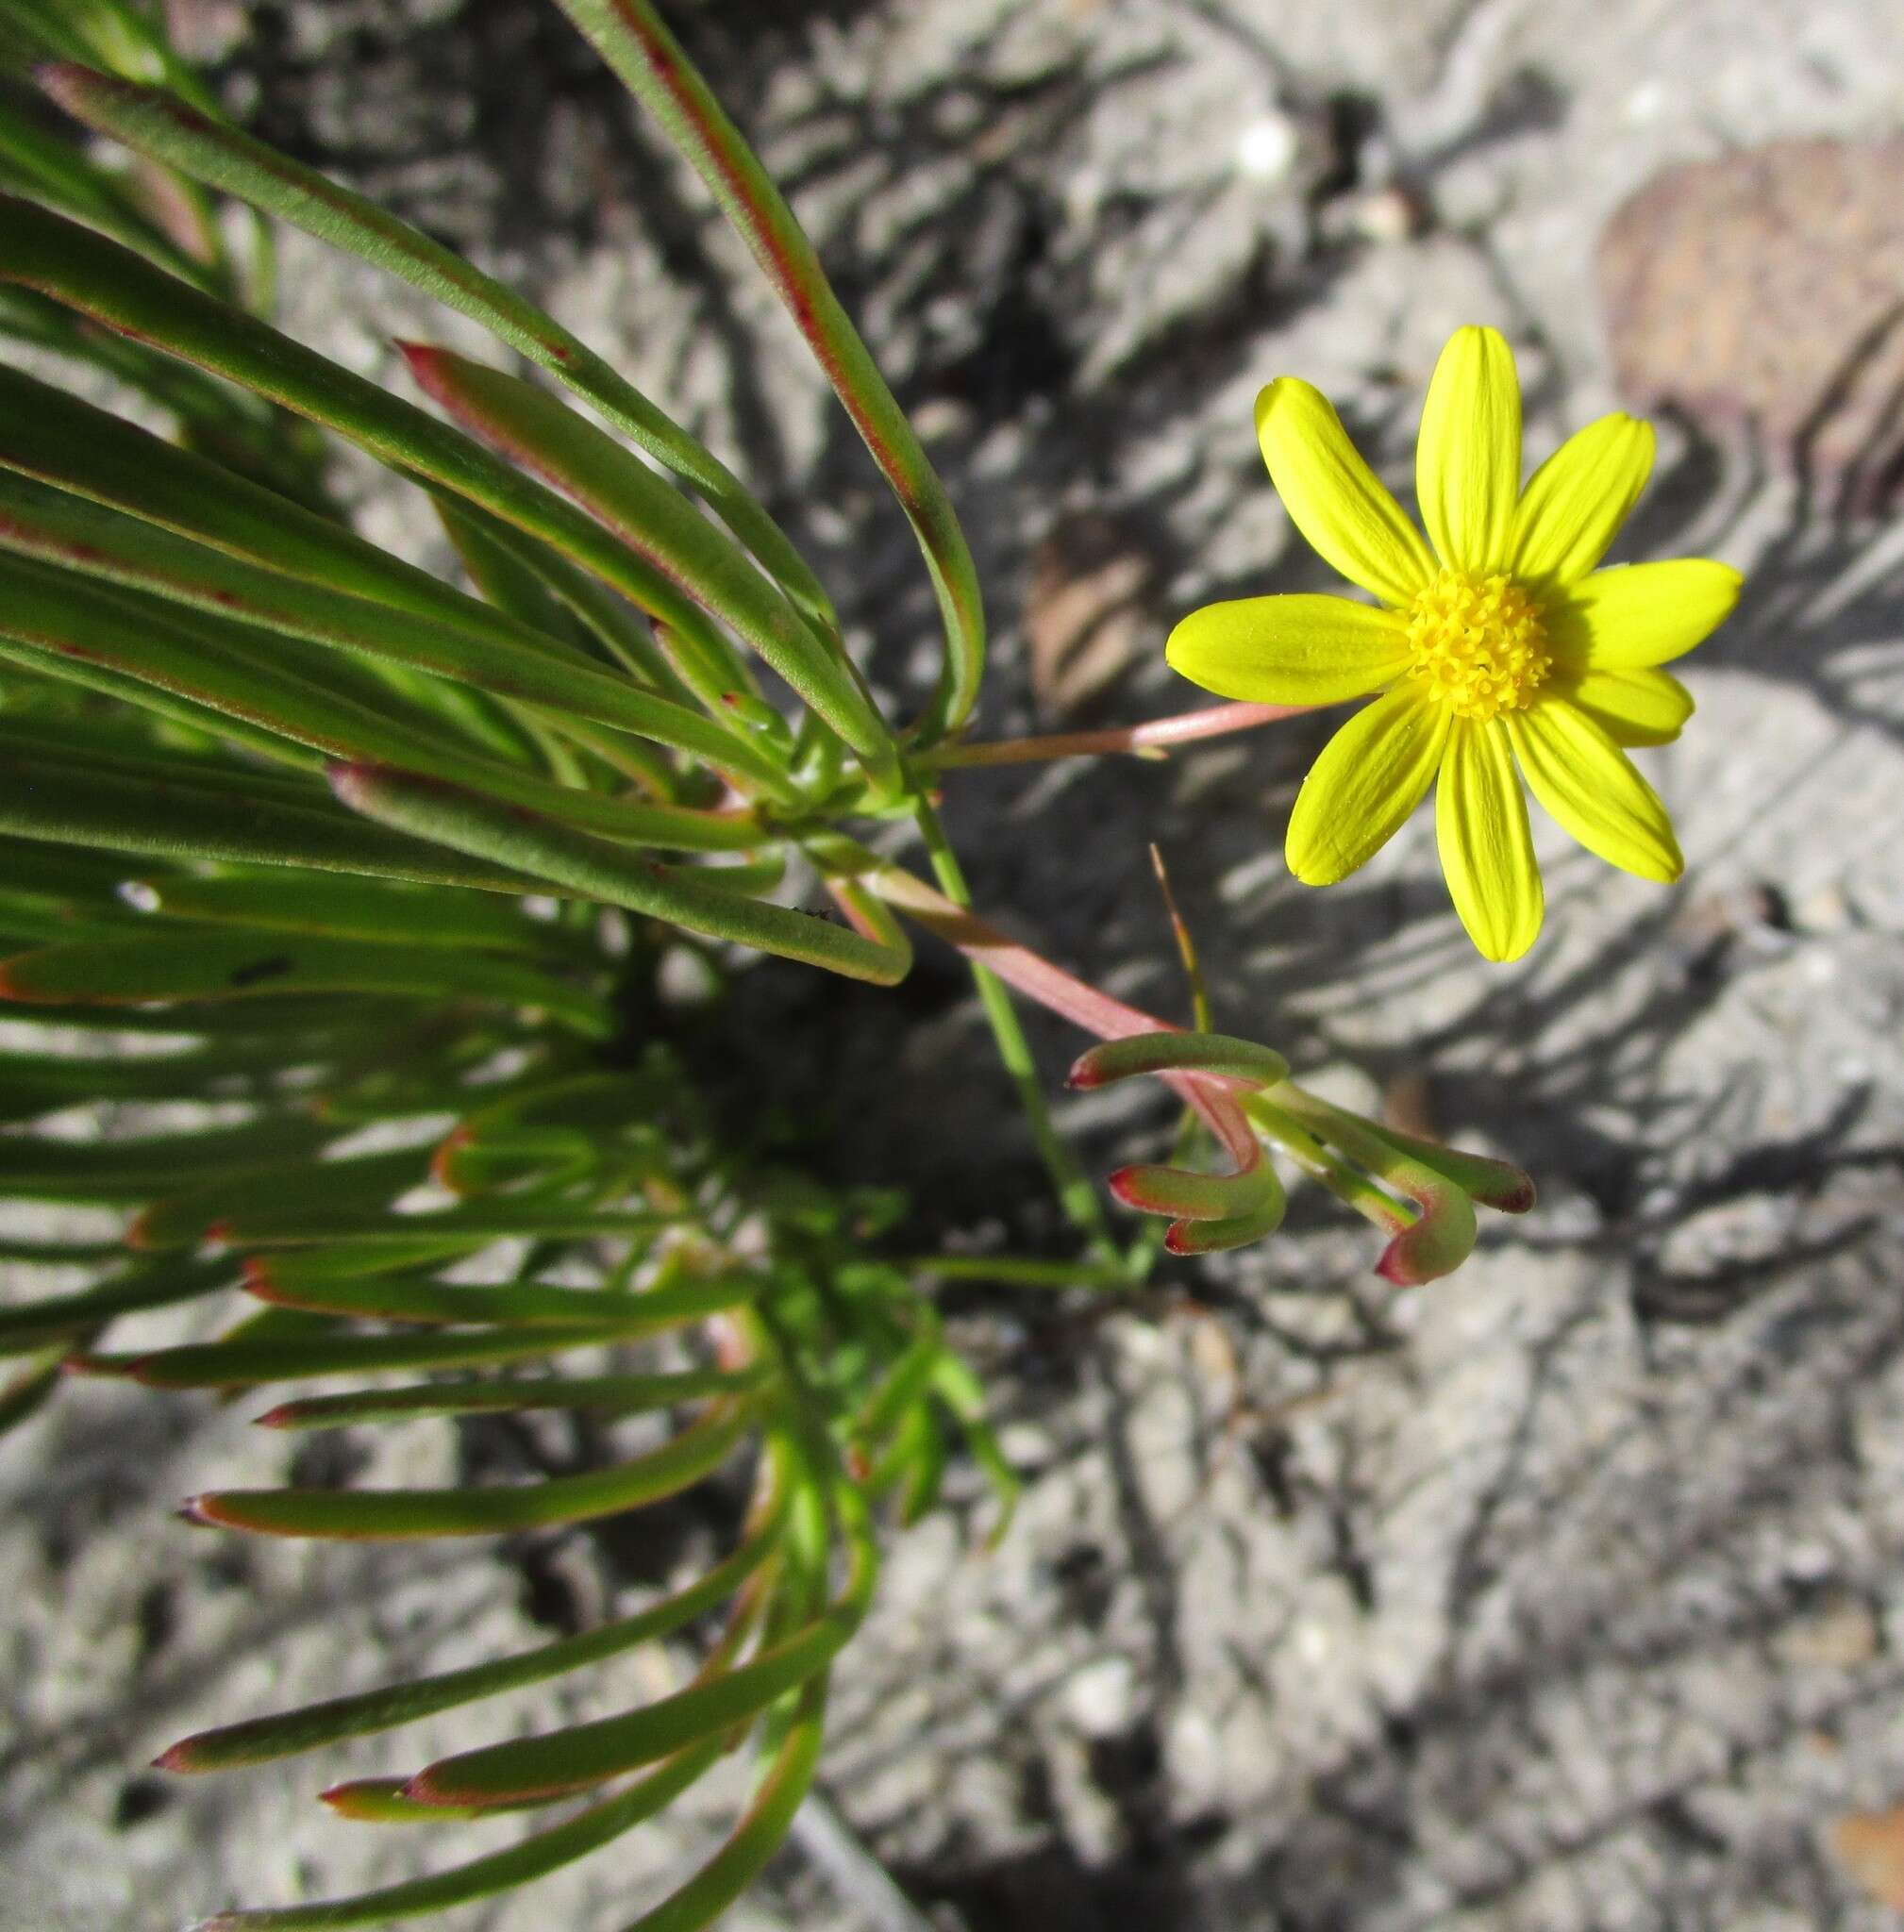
[(1334, 498), (1467, 461), (1633, 706), (1289, 650), (1588, 785), (1371, 774), (1642, 613), (1486, 848), (1574, 503)]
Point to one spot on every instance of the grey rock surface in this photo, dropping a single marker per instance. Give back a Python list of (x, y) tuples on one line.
[(1566, 1595)]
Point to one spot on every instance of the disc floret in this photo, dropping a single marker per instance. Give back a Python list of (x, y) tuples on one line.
[(1476, 643)]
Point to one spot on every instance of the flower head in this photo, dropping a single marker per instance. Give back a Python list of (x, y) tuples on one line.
[(1496, 643)]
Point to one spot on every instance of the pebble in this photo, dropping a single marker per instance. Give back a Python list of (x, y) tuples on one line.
[(1758, 294)]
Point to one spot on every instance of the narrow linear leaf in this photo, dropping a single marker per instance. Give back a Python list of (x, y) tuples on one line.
[(364, 1515), (459, 818), (217, 1069), (598, 1395), (29, 918), (80, 448), (33, 1168), (108, 33), (218, 965), (546, 1851), (246, 1363), (380, 1801), (760, 1832), (286, 1734), (217, 663), (189, 809), (173, 132), (124, 293), (71, 667), (534, 1303), (488, 545), (559, 1762), (312, 1027), (542, 433), (340, 909), (210, 406), (191, 1207), (630, 36), (467, 1227), (73, 534), (55, 172), (27, 1325), (57, 1253)]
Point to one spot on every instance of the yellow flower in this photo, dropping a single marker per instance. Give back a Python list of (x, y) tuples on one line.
[(1501, 645)]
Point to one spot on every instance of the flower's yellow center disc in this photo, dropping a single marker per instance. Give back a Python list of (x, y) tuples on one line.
[(1477, 644)]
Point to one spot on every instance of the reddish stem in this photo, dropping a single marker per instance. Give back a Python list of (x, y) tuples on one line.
[(1068, 996)]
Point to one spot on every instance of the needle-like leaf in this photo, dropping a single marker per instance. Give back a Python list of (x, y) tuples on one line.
[(631, 37), (258, 1741), (474, 824), (218, 663), (214, 964), (344, 910), (246, 1363), (385, 1298), (65, 531), (542, 433), (29, 1325), (595, 1394), (361, 1515), (171, 131), (546, 1851), (124, 293)]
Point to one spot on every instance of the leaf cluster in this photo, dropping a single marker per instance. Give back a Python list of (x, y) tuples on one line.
[(339, 886)]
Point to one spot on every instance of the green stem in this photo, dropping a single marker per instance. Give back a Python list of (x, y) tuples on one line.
[(1014, 1271)]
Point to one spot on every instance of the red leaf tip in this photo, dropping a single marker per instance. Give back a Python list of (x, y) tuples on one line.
[(1122, 1185), (443, 1163), (67, 81), (420, 1790), (1513, 1200), (348, 1797)]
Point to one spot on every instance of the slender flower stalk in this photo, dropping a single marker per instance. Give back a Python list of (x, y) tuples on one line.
[(1151, 739)]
